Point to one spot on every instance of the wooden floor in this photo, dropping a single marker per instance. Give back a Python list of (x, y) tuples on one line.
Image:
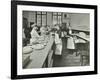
[(67, 59)]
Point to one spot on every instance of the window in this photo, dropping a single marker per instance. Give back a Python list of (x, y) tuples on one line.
[(41, 18), (48, 18), (44, 18), (57, 18)]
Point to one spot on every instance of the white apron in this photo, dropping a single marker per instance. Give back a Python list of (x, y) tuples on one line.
[(34, 36), (58, 42), (70, 43)]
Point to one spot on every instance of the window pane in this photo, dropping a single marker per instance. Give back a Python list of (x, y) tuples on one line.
[(59, 13), (54, 20), (54, 13), (38, 12), (39, 20), (44, 13), (49, 18), (43, 20), (59, 20)]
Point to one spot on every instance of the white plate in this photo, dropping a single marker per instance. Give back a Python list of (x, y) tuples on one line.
[(38, 46), (27, 49)]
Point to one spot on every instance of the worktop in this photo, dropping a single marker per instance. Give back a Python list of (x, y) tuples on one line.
[(38, 57)]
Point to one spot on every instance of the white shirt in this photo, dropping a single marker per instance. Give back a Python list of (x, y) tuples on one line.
[(43, 30), (34, 33), (34, 36)]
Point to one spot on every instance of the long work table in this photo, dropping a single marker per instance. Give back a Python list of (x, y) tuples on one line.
[(84, 38), (81, 37), (38, 57)]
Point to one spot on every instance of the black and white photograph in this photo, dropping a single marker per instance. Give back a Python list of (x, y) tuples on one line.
[(53, 39)]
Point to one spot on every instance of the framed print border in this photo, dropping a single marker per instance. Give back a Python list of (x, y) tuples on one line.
[(14, 38)]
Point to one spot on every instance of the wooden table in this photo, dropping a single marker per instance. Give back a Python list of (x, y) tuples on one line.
[(84, 38), (38, 57), (83, 51)]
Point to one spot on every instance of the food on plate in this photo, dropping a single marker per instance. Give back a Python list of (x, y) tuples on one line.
[(27, 49), (38, 46)]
